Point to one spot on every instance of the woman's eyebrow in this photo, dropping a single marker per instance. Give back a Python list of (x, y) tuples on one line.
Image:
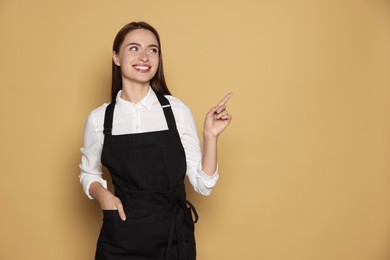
[(133, 43), (137, 44)]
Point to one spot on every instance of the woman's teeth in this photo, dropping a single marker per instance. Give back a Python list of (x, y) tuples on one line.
[(142, 68)]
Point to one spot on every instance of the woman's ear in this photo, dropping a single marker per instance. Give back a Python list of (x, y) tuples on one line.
[(115, 59)]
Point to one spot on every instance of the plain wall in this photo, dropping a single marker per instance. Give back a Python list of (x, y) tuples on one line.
[(304, 166)]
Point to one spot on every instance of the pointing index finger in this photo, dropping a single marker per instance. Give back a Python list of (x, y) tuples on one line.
[(225, 99)]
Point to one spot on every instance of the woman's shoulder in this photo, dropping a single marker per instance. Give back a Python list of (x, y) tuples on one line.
[(100, 110), (97, 115), (178, 105), (176, 102)]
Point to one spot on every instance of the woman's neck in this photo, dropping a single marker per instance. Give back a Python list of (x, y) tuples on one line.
[(134, 93)]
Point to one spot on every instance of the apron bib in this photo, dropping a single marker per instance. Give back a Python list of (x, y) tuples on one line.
[(147, 171)]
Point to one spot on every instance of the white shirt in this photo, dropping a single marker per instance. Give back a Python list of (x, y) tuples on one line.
[(145, 116)]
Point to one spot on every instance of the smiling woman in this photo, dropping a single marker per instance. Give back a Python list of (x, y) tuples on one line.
[(138, 58), (147, 139), (122, 41)]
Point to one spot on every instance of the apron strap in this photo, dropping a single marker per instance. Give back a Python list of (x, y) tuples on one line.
[(166, 106), (109, 115), (178, 229)]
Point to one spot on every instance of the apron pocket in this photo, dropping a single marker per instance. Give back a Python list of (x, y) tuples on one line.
[(110, 223)]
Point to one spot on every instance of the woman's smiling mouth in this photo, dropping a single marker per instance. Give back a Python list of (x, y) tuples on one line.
[(142, 68)]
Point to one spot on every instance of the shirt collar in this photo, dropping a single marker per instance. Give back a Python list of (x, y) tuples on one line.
[(146, 102)]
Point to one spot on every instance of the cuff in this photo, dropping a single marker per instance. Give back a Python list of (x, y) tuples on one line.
[(91, 179), (208, 181)]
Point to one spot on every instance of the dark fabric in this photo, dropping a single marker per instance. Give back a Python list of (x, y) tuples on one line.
[(147, 170)]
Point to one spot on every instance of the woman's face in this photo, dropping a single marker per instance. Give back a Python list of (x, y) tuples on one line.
[(138, 57)]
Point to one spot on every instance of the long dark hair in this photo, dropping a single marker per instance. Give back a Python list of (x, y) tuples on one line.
[(157, 83)]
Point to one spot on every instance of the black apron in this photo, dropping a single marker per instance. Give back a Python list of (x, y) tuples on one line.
[(147, 171)]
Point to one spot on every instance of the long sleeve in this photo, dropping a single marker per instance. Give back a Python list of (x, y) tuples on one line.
[(201, 182), (91, 166)]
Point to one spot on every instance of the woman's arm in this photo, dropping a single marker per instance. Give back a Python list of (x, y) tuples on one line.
[(95, 187), (217, 119), (90, 166)]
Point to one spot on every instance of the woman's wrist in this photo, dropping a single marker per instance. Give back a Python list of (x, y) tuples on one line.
[(97, 191), (209, 136)]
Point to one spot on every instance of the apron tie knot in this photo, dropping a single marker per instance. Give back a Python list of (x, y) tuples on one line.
[(176, 228)]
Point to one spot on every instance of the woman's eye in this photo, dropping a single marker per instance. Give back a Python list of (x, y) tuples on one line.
[(134, 48), (154, 50)]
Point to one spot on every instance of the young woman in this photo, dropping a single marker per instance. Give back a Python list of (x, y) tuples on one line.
[(147, 139)]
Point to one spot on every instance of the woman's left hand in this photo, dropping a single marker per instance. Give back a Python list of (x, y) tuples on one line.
[(217, 119)]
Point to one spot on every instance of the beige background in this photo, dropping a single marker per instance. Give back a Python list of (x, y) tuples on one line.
[(305, 167)]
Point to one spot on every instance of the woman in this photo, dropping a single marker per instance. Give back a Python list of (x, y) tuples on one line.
[(147, 139)]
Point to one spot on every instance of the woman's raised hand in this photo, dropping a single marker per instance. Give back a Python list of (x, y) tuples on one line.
[(217, 119)]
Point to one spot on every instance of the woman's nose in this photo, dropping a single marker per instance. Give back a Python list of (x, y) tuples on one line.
[(143, 56)]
